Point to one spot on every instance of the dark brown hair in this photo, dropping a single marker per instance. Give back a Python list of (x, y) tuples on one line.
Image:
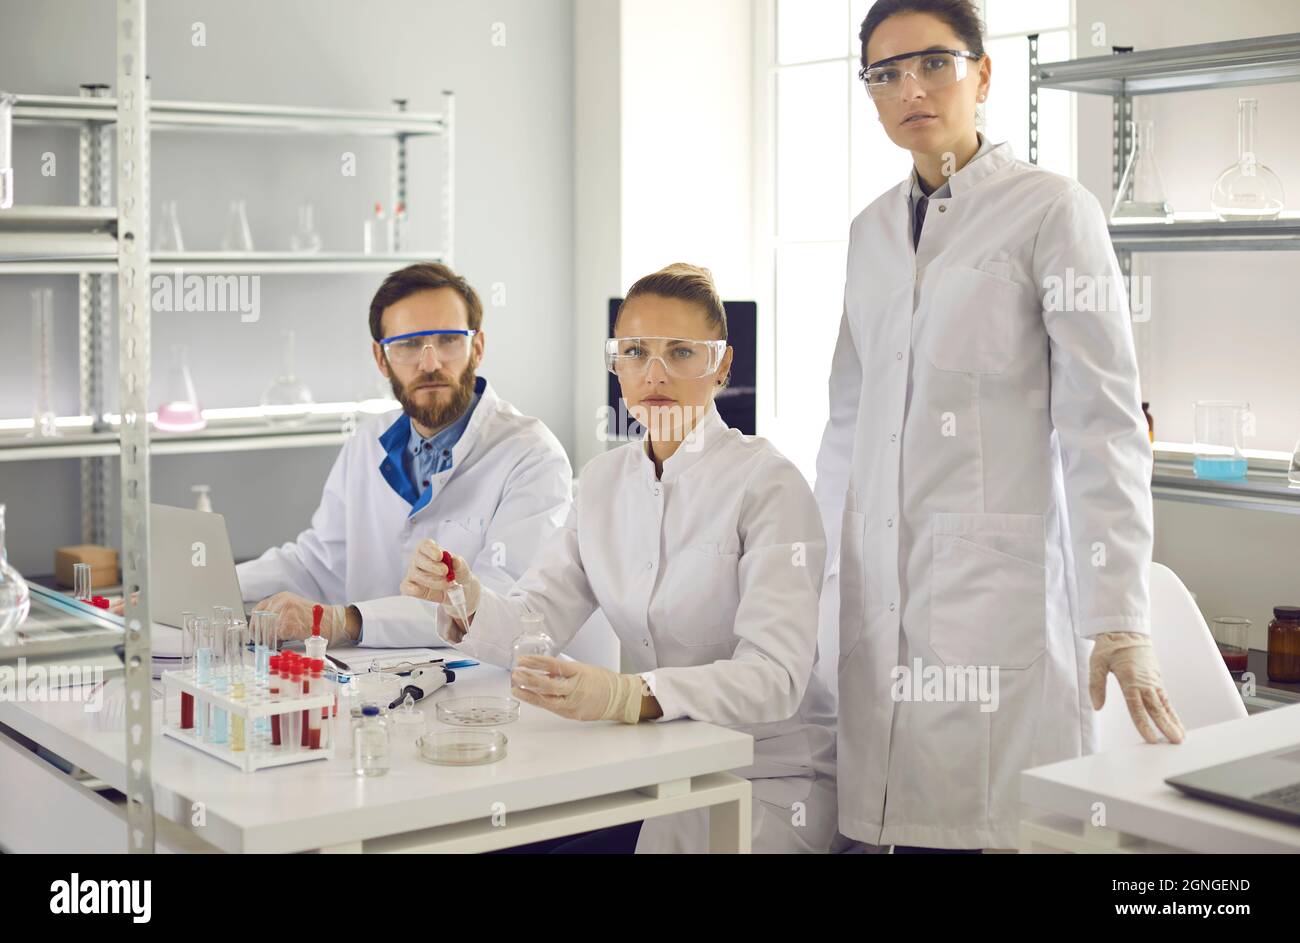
[(422, 276), (961, 16), (685, 283)]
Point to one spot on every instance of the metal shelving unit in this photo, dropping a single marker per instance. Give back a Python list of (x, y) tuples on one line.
[(106, 236), (1124, 76)]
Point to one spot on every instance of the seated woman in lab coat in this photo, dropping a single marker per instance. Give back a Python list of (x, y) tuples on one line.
[(704, 549)]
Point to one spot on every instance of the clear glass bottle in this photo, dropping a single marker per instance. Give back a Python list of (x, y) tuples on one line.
[(169, 230), (533, 640), (1293, 475), (1248, 189), (178, 409), (6, 150), (370, 744), (238, 237), (43, 412), (1140, 197), (305, 238), (377, 237), (15, 600), (287, 401)]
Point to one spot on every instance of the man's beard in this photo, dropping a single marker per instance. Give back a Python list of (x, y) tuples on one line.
[(436, 416)]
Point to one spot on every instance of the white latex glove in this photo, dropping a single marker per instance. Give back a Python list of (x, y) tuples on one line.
[(294, 618), (1131, 659), (577, 691), (428, 577)]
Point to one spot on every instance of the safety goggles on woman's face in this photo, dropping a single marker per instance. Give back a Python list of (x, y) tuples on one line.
[(931, 69), (447, 346), (682, 358)]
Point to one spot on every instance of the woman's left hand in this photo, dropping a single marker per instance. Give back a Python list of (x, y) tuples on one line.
[(576, 690)]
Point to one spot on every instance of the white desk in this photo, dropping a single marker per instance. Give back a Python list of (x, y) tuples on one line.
[(559, 777), (1142, 813)]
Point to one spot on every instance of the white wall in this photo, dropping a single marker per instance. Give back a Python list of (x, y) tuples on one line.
[(514, 200), (1223, 325)]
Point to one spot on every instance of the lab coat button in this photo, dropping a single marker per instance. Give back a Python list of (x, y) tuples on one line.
[(893, 437), (942, 208), (649, 566), (891, 607), (646, 642), (899, 355), (890, 522)]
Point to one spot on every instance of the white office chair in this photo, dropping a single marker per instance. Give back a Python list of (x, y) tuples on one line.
[(1196, 679)]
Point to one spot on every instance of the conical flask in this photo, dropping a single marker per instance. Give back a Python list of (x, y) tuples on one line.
[(1140, 197), (15, 601), (1247, 189), (287, 401), (178, 408)]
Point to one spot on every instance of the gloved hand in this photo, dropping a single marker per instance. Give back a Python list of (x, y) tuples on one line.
[(294, 618), (1131, 659), (427, 576), (577, 691)]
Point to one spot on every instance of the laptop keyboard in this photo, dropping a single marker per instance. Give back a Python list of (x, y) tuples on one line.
[(1288, 796)]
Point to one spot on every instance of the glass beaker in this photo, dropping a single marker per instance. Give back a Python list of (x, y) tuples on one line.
[(1247, 189), (15, 600), (1293, 475), (238, 237), (1218, 430), (6, 150), (1140, 197), (287, 401), (169, 230), (1232, 635), (178, 409), (306, 238), (43, 413)]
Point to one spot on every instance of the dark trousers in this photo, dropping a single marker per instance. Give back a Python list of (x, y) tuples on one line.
[(617, 840)]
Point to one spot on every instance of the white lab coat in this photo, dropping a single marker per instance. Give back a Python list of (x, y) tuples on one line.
[(990, 466), (710, 578), (508, 489)]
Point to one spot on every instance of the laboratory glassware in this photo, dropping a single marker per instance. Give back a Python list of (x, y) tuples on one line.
[(1232, 635), (1293, 475), (401, 230), (533, 640), (305, 237), (1284, 644), (237, 656), (463, 747), (1140, 197), (219, 727), (43, 413), (178, 409), (238, 237), (274, 693), (370, 744), (377, 237), (407, 722), (1247, 189), (6, 150), (188, 646), (202, 497), (169, 230), (1218, 429), (202, 671), (314, 644), (15, 599), (81, 584), (479, 711), (287, 401)]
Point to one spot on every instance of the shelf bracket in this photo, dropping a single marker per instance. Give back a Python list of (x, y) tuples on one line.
[(1033, 98)]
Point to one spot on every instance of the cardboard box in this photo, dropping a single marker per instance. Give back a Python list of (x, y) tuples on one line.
[(102, 560)]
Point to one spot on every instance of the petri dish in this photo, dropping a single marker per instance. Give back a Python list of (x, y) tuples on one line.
[(463, 747), (478, 711)]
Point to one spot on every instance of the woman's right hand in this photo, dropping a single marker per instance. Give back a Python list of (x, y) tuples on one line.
[(428, 576)]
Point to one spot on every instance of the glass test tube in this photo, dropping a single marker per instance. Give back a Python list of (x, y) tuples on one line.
[(81, 588), (202, 671), (187, 668), (219, 729), (237, 657)]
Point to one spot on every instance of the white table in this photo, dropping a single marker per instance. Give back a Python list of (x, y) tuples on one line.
[(559, 777), (1142, 814)]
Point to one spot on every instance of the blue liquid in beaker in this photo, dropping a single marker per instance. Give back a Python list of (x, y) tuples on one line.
[(1225, 468)]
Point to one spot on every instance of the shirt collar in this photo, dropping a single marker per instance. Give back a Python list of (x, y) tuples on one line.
[(947, 188), (709, 430), (447, 437)]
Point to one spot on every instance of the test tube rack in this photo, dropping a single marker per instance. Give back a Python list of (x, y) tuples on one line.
[(248, 759)]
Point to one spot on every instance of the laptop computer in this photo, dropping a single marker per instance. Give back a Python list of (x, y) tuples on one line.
[(1266, 784), (191, 566)]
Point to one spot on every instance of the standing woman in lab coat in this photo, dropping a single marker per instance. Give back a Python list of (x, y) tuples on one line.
[(985, 470), (705, 550)]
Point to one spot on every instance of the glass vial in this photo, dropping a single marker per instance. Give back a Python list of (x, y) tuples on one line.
[(1140, 197), (370, 744), (43, 414), (1247, 190), (377, 236), (15, 600), (287, 401)]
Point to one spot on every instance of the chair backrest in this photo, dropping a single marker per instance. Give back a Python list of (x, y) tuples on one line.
[(1196, 679)]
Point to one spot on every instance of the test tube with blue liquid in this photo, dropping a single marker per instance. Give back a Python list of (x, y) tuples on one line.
[(219, 730), (202, 670)]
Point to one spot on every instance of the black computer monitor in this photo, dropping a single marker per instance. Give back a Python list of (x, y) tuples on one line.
[(737, 403)]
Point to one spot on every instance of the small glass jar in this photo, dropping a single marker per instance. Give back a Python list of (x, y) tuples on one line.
[(533, 640), (1284, 644), (370, 744)]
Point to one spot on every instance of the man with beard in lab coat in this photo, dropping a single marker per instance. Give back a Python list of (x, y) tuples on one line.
[(457, 465)]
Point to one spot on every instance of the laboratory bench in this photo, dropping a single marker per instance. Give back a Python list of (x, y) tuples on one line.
[(65, 779)]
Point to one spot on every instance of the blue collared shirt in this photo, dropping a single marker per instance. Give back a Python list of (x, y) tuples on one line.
[(412, 460)]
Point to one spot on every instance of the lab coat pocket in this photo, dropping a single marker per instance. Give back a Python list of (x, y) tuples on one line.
[(708, 594), (988, 603), (853, 582), (972, 321)]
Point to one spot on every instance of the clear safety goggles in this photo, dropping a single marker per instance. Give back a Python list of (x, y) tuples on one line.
[(682, 358), (447, 346), (931, 69)]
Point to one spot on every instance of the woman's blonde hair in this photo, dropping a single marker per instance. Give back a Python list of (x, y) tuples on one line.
[(684, 282)]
